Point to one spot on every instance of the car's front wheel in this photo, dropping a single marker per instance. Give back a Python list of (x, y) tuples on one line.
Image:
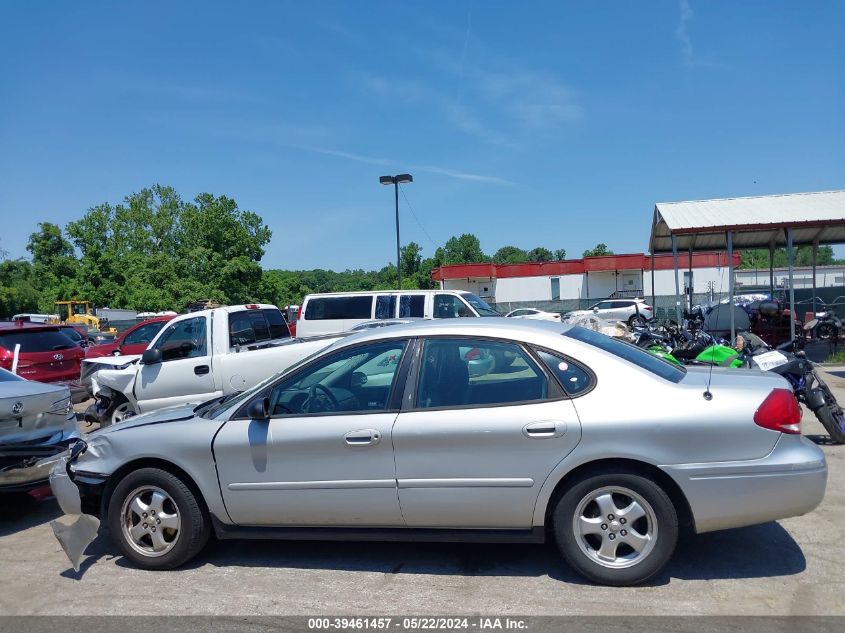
[(156, 520), (616, 529)]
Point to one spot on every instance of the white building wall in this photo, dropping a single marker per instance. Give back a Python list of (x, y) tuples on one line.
[(524, 289)]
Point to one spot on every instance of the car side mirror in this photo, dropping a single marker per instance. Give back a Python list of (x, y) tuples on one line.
[(595, 309), (151, 357), (259, 409)]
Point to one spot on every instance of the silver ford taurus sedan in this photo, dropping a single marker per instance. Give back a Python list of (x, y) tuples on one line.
[(387, 434)]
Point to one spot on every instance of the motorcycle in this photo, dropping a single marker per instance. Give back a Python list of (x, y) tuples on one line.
[(826, 325), (807, 385)]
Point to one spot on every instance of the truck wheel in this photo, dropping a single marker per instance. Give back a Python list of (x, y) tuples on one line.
[(155, 519), (616, 528)]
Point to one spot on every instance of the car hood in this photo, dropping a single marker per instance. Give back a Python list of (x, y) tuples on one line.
[(160, 416)]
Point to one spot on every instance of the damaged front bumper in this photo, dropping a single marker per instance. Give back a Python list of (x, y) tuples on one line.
[(73, 538), (26, 466)]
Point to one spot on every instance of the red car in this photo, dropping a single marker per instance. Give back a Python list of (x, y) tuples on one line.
[(131, 341), (46, 353)]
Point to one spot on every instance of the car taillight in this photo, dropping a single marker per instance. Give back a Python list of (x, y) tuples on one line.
[(6, 363), (251, 306), (779, 412)]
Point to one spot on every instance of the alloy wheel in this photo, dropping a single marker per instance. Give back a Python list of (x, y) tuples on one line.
[(150, 521), (615, 527)]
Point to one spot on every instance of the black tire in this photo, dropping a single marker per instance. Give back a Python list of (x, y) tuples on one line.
[(194, 526), (826, 330), (637, 319), (581, 552), (831, 416)]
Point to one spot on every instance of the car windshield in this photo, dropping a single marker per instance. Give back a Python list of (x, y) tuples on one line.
[(480, 305), (628, 352)]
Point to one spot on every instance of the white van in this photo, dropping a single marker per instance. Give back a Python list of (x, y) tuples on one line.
[(340, 311)]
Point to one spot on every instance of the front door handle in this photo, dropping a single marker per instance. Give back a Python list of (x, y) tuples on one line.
[(363, 437), (544, 430), (201, 370)]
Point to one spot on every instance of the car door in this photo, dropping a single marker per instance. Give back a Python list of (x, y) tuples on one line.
[(472, 449), (325, 457), (184, 373)]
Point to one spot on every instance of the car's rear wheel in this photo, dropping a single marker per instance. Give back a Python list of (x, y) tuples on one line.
[(156, 520), (616, 529)]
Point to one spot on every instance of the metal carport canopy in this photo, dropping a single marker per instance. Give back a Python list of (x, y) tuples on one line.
[(755, 222)]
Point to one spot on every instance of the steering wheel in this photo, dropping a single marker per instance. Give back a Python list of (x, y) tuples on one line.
[(312, 397)]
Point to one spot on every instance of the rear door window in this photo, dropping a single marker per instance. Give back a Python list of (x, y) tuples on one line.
[(479, 373), (573, 378), (351, 307), (412, 306), (385, 306)]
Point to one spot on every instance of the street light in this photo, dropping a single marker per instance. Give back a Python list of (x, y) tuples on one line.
[(395, 180)]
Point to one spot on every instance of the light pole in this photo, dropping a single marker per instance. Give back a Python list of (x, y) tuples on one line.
[(395, 180)]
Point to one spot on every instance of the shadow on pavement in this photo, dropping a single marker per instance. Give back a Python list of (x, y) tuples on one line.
[(20, 512), (759, 551)]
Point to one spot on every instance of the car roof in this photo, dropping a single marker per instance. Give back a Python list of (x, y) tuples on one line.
[(26, 325), (488, 327), (418, 291)]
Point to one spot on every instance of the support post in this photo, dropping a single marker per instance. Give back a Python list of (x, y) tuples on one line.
[(653, 292), (815, 251), (677, 288), (772, 268), (690, 278), (730, 240), (790, 257)]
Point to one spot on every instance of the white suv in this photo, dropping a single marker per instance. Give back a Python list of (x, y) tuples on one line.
[(628, 310)]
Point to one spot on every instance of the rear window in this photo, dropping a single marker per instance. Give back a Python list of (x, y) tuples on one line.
[(254, 326), (352, 307), (35, 340), (277, 324), (628, 352)]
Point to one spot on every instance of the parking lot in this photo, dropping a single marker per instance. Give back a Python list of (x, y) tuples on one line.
[(787, 568)]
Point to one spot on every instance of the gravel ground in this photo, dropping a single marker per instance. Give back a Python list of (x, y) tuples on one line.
[(792, 567)]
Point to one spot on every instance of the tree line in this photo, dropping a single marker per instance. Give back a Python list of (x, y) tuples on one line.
[(156, 251)]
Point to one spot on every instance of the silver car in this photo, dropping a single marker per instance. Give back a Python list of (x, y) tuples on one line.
[(387, 434), (36, 421)]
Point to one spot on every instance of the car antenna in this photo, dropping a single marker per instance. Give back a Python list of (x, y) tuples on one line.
[(708, 395)]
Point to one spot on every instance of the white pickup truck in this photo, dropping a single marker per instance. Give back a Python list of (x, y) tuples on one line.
[(196, 357)]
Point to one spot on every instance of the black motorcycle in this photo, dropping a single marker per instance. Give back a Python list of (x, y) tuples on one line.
[(806, 383)]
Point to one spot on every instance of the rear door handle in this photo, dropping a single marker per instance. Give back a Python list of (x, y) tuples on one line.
[(201, 370), (544, 430), (363, 437)]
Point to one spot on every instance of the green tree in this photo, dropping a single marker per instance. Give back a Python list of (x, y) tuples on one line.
[(465, 249), (540, 254), (411, 258), (17, 288), (599, 249), (759, 257), (510, 255), (560, 254)]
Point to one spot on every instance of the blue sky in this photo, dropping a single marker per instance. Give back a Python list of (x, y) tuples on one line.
[(550, 124)]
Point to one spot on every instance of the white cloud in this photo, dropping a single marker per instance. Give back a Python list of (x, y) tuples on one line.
[(682, 33), (385, 162)]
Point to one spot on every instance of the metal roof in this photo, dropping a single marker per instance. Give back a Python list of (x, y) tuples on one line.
[(756, 222)]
